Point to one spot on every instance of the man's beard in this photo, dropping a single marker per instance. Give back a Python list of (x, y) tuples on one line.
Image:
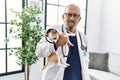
[(68, 27)]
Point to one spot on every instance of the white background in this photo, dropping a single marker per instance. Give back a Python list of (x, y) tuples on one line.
[(103, 26)]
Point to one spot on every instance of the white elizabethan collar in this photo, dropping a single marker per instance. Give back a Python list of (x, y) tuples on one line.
[(56, 27)]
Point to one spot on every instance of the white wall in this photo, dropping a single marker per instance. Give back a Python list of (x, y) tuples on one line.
[(93, 24), (103, 26), (110, 26)]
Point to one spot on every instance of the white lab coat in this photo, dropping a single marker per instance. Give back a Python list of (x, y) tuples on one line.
[(53, 71)]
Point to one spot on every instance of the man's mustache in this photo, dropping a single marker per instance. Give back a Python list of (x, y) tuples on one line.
[(71, 21)]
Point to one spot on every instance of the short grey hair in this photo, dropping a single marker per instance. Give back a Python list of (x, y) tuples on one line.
[(74, 6)]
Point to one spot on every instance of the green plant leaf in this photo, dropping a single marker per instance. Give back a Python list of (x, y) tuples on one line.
[(30, 34)]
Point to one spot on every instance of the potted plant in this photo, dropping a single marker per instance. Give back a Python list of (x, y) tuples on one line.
[(29, 30)]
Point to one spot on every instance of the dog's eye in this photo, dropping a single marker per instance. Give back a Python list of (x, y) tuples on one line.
[(54, 38), (54, 32)]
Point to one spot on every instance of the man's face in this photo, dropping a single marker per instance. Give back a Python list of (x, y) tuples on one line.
[(71, 17)]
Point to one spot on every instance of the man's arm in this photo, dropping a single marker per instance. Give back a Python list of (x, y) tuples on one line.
[(44, 48)]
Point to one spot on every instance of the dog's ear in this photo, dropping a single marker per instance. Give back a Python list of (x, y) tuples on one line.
[(46, 35)]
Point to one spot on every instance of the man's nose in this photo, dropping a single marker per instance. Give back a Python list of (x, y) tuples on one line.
[(72, 17)]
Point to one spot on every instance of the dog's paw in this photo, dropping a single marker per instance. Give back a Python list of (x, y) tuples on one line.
[(64, 65)]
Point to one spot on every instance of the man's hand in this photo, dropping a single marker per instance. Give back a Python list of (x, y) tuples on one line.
[(62, 41)]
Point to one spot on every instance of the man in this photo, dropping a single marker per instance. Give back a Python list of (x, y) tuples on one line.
[(76, 56)]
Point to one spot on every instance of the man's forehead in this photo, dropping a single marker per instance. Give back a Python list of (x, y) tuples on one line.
[(74, 9)]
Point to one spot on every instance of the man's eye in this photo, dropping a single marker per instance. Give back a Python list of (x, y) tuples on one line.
[(70, 15)]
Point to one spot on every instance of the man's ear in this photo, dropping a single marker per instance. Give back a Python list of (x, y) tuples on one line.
[(63, 16), (79, 19)]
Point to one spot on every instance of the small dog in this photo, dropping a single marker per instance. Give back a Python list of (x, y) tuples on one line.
[(52, 36)]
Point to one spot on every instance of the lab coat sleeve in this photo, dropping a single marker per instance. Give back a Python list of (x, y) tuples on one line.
[(44, 48)]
